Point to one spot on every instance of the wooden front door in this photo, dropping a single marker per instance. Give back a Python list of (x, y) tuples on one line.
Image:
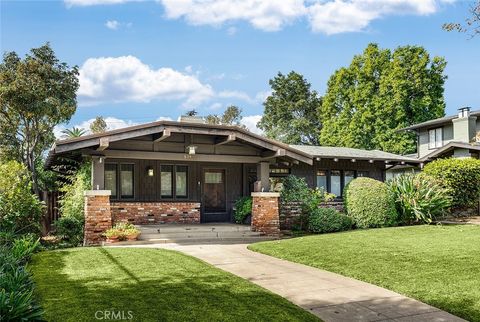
[(214, 196)]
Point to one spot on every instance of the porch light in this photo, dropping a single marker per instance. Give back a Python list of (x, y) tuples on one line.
[(150, 172), (191, 149), (354, 160), (370, 161), (336, 159)]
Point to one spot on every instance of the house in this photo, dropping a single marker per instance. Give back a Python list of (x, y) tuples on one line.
[(455, 136), (191, 172)]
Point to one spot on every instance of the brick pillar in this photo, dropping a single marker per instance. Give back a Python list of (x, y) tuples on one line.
[(265, 213), (98, 217)]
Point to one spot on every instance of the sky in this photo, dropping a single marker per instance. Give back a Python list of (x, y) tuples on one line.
[(142, 61)]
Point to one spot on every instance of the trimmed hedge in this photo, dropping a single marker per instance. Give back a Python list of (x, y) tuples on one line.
[(460, 176), (370, 203), (328, 220)]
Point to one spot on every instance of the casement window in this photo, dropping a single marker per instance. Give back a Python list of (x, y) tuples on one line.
[(173, 182), (278, 172), (111, 179), (119, 179), (335, 181), (348, 176), (361, 174), (435, 138), (322, 180)]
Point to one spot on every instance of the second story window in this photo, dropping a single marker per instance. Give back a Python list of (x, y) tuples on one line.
[(435, 138)]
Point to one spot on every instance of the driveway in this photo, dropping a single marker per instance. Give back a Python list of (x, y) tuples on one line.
[(329, 296)]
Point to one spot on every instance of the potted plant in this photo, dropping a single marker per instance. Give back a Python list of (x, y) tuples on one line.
[(113, 235), (131, 233)]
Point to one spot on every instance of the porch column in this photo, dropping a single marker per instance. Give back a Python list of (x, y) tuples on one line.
[(263, 176), (265, 213), (98, 173), (98, 217)]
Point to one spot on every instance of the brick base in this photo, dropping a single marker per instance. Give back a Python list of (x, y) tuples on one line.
[(291, 215), (265, 213), (156, 212), (98, 217)]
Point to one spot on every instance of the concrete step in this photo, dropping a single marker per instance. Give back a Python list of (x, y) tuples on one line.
[(199, 235), (193, 228), (188, 241)]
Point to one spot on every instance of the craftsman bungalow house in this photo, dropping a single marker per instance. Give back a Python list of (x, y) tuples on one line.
[(191, 172)]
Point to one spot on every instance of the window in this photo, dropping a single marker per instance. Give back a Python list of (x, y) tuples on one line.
[(279, 171), (111, 178), (336, 182), (361, 174), (166, 181), (174, 181), (322, 180), (126, 180), (349, 175), (181, 181), (435, 138)]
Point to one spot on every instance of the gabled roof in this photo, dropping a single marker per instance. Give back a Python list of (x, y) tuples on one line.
[(351, 153), (159, 128), (439, 121), (449, 147)]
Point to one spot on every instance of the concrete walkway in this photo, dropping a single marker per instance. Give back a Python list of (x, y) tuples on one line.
[(329, 296)]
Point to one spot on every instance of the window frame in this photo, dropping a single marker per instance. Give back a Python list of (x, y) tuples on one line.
[(118, 186), (173, 195), (433, 145), (328, 175), (112, 196)]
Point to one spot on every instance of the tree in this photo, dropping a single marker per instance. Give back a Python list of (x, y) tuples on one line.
[(381, 92), (231, 116), (98, 125), (36, 94), (291, 111), (472, 23), (74, 132)]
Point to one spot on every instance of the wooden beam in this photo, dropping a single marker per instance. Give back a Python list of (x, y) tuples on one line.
[(225, 140), (170, 156), (165, 135), (273, 154), (104, 143)]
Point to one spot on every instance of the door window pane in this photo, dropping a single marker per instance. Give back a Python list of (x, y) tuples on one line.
[(213, 177), (335, 182), (126, 180), (322, 180), (166, 176), (181, 182), (349, 176), (111, 179)]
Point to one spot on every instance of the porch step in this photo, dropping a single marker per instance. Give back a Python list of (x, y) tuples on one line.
[(189, 241), (178, 228), (198, 234)]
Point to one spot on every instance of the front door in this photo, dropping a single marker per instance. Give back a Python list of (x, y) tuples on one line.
[(214, 196)]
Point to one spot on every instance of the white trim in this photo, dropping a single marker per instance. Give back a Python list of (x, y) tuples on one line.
[(266, 194), (97, 192)]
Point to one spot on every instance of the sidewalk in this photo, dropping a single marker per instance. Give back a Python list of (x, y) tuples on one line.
[(329, 296)]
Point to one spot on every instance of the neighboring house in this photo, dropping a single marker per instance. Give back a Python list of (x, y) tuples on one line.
[(455, 136), (191, 172)]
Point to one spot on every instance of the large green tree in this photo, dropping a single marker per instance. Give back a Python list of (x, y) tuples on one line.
[(36, 93), (381, 92), (231, 116), (98, 125), (291, 111)]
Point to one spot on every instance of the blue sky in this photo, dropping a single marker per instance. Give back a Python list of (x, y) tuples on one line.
[(145, 60)]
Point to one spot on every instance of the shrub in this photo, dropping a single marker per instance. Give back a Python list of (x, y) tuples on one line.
[(69, 229), (419, 198), (243, 208), (460, 176), (72, 201), (20, 209), (294, 189), (328, 220), (370, 203)]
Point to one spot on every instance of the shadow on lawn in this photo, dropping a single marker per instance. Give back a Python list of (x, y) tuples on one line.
[(180, 290)]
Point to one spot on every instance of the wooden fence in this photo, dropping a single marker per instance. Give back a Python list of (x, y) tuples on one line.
[(51, 209)]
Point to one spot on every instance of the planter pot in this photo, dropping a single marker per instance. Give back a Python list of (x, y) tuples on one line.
[(133, 236), (112, 239)]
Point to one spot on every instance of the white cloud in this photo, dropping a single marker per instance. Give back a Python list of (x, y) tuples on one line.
[(84, 3), (231, 31), (251, 123), (164, 118), (113, 123), (269, 15), (127, 79), (236, 95), (261, 96), (112, 24)]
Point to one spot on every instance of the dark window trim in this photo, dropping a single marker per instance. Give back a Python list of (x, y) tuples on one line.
[(112, 197), (173, 196), (119, 184), (329, 178)]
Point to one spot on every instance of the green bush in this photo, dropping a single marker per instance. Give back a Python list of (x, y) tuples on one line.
[(70, 230), (328, 220), (20, 209), (243, 208), (72, 200), (294, 189), (370, 203), (460, 176), (419, 198)]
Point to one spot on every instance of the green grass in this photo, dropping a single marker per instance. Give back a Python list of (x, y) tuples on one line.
[(154, 284), (439, 265)]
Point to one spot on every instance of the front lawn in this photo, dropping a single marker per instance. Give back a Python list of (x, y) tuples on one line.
[(149, 285), (439, 265)]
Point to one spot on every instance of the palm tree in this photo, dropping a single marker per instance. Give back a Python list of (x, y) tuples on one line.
[(74, 132)]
